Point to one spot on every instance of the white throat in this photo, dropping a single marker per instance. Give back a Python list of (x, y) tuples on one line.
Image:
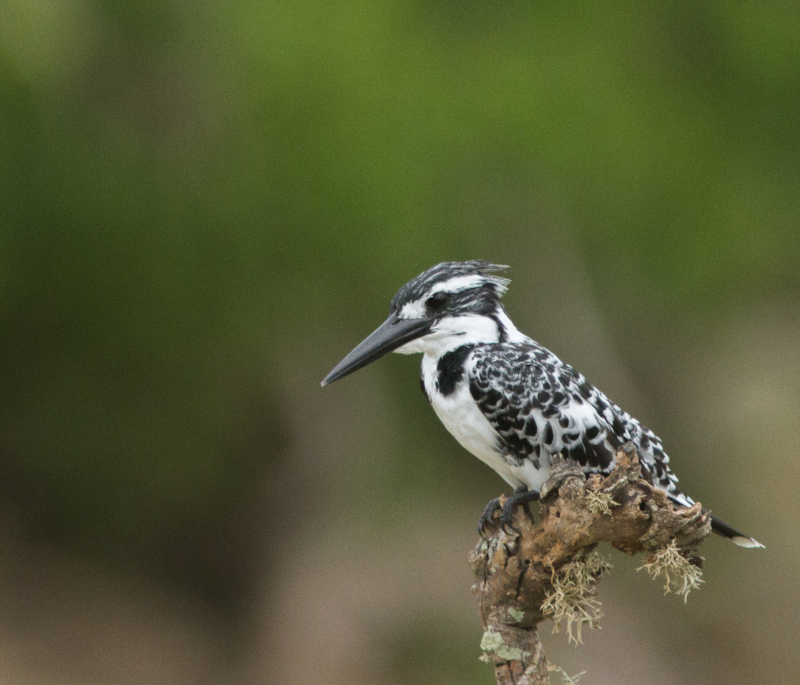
[(469, 329)]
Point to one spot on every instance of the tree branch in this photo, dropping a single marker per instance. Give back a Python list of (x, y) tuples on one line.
[(551, 570)]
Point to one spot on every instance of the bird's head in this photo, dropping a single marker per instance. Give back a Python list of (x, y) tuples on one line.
[(450, 304)]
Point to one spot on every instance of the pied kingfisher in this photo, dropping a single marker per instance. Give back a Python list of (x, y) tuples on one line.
[(506, 399)]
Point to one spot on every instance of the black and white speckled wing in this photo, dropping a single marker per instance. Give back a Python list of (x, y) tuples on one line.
[(539, 406)]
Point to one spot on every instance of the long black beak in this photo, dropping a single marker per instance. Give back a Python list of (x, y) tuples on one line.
[(391, 334)]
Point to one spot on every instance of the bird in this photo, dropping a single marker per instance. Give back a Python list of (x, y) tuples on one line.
[(505, 398)]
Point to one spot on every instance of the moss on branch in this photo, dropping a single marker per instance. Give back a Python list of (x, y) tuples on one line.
[(551, 569)]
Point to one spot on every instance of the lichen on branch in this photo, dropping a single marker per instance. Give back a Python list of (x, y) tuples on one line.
[(681, 576), (573, 595), (551, 569)]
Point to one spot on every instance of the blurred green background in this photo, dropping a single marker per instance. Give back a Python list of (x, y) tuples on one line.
[(204, 206)]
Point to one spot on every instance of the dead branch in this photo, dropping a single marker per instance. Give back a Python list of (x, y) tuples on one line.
[(551, 569)]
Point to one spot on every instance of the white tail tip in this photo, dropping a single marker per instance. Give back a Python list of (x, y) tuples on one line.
[(746, 542)]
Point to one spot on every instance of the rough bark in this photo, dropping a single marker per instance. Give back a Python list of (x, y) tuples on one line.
[(516, 570)]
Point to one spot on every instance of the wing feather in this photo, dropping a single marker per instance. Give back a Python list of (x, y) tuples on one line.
[(539, 406)]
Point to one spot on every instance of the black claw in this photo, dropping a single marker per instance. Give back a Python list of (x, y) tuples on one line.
[(506, 525), (487, 517), (520, 497), (507, 514)]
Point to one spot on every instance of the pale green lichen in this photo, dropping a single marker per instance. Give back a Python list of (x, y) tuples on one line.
[(492, 642), (516, 614), (680, 575), (600, 502), (568, 679), (571, 597)]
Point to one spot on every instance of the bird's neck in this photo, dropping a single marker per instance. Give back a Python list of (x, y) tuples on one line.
[(510, 333)]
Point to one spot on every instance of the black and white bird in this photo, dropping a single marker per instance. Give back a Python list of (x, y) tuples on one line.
[(506, 399)]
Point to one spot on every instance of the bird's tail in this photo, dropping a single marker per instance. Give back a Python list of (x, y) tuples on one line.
[(719, 527), (735, 536)]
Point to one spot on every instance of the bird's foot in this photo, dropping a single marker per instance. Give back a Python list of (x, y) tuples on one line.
[(520, 497), (487, 517)]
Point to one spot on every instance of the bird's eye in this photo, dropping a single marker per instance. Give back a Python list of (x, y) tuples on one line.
[(437, 300)]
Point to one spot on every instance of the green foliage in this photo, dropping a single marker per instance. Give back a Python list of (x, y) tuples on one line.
[(199, 200)]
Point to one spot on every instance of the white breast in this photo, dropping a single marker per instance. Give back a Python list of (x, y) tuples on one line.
[(461, 416)]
